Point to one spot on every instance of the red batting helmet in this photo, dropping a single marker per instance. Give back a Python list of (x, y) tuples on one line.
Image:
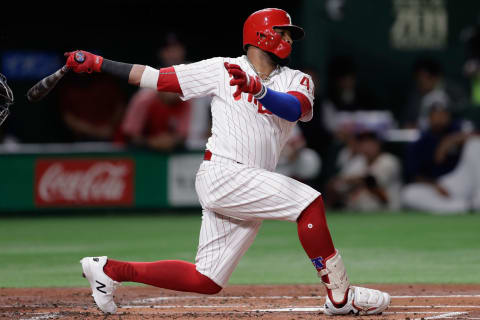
[(258, 31)]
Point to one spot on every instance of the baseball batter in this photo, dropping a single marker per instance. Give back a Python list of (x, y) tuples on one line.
[(256, 101)]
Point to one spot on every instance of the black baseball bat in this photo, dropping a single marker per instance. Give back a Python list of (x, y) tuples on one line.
[(44, 86)]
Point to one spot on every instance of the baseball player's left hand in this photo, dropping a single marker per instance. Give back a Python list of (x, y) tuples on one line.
[(83, 61), (244, 82)]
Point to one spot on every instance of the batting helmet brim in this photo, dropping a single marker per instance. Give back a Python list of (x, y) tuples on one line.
[(296, 32)]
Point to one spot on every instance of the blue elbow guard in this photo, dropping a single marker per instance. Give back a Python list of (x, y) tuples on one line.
[(282, 104)]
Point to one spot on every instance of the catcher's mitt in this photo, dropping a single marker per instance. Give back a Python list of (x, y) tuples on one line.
[(6, 98)]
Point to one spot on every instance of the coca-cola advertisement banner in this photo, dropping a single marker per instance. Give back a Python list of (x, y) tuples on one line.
[(85, 182)]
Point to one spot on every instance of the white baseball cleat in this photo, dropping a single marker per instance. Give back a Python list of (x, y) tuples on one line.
[(361, 301), (102, 285)]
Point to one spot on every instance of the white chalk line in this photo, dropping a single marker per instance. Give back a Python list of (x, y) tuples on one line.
[(319, 309), (296, 309), (289, 307), (41, 316), (441, 314), (181, 306), (435, 307), (156, 299), (439, 296), (444, 316)]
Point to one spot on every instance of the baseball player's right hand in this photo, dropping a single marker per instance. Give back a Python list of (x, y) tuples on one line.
[(83, 61), (244, 82)]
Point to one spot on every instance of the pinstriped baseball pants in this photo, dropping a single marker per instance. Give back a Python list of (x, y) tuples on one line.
[(235, 199)]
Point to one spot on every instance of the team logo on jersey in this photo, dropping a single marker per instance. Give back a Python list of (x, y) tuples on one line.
[(261, 108), (318, 263)]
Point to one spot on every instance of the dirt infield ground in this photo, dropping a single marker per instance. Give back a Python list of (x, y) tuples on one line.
[(235, 302)]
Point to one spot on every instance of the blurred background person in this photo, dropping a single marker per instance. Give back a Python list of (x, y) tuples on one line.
[(161, 120), (91, 107), (342, 98), (157, 120), (471, 68), (343, 94), (297, 160), (430, 161), (368, 179), (429, 80), (457, 192)]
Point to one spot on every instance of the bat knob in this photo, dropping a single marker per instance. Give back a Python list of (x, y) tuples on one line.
[(79, 57)]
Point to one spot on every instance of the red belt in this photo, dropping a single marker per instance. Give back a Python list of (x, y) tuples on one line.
[(208, 155)]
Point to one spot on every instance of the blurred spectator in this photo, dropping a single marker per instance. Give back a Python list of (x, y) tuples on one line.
[(92, 107), (343, 95), (158, 120), (368, 178), (471, 37), (456, 192), (429, 80), (298, 161), (172, 51), (432, 164), (161, 120), (437, 151)]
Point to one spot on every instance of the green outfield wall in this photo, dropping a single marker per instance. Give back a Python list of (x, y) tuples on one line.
[(137, 179)]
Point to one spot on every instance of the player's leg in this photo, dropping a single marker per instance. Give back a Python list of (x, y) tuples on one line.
[(223, 241), (105, 275), (342, 298), (167, 274), (251, 193)]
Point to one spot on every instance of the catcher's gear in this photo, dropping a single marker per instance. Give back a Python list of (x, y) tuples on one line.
[(6, 98), (83, 61), (258, 31)]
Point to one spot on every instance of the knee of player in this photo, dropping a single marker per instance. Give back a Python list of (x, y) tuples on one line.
[(209, 287), (205, 285), (212, 290)]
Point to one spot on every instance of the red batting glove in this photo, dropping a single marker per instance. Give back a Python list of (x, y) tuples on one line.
[(82, 61), (244, 82)]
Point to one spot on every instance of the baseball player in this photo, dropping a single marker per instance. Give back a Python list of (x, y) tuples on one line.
[(256, 101)]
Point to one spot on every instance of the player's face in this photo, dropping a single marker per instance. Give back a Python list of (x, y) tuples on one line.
[(286, 34)]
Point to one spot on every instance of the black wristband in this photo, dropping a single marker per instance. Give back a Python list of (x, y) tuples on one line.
[(117, 69)]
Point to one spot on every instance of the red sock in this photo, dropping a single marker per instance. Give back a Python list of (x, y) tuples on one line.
[(168, 274), (315, 237)]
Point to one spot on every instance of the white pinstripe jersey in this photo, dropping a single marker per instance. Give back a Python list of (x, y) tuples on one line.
[(243, 130)]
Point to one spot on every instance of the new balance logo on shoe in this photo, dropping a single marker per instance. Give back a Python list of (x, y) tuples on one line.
[(100, 287)]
